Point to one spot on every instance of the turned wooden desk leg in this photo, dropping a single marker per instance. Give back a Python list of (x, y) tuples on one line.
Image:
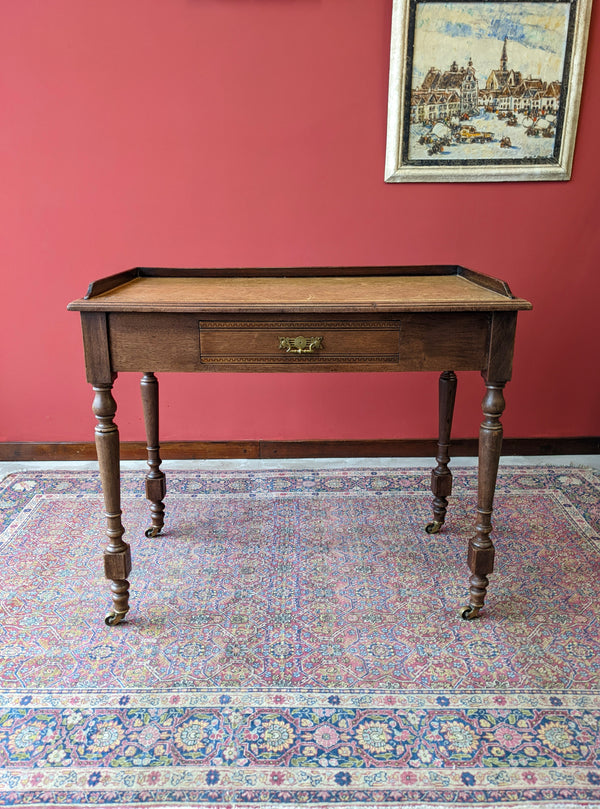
[(481, 548), (117, 556), (156, 488), (441, 476)]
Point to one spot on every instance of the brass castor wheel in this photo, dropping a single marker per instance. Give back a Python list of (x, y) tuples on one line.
[(434, 527), (113, 618), (469, 613), (152, 532)]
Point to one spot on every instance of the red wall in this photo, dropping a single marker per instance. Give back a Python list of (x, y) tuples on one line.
[(252, 132)]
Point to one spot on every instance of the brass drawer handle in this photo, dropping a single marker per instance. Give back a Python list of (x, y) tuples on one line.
[(300, 345)]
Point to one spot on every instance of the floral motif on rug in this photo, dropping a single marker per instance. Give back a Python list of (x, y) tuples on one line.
[(294, 639)]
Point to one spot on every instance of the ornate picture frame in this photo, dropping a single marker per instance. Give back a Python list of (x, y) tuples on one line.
[(482, 90)]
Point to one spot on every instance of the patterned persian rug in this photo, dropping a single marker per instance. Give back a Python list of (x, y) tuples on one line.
[(295, 640)]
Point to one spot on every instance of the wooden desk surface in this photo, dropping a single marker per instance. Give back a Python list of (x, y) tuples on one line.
[(361, 293)]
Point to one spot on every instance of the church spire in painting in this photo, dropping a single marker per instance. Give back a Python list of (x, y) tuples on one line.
[(504, 57)]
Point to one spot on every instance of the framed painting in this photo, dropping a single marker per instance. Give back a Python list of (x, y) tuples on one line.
[(484, 91)]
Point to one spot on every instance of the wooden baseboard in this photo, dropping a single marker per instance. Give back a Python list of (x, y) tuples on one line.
[(408, 448)]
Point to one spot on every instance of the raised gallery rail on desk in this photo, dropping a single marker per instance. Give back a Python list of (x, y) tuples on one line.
[(438, 318)]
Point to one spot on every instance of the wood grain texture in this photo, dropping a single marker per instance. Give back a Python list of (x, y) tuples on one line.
[(500, 346), (98, 364), (424, 341), (401, 293)]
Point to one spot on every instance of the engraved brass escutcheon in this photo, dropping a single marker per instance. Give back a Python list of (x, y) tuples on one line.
[(300, 345)]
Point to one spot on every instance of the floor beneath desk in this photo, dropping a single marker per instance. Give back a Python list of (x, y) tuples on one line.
[(7, 467)]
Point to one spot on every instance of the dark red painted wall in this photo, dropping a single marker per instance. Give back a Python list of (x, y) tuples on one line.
[(252, 132)]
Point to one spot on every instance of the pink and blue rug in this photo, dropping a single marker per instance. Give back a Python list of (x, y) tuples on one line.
[(295, 640)]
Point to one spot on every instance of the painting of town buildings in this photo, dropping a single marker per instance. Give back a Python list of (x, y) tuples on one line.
[(484, 90), (487, 82)]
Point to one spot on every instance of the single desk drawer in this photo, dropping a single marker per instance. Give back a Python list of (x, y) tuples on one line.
[(303, 342)]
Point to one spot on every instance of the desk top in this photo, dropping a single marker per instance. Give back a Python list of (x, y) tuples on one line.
[(355, 289)]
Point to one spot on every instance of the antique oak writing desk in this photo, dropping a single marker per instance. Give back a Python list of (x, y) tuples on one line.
[(442, 318)]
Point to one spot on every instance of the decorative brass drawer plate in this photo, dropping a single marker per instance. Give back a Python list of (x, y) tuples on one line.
[(295, 342)]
